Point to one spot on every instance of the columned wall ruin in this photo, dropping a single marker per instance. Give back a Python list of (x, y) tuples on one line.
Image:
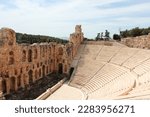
[(23, 64), (137, 42)]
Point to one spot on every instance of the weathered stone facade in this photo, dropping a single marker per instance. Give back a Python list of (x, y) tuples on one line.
[(137, 42), (76, 38), (23, 64)]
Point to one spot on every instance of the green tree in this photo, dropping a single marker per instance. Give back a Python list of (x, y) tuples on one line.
[(116, 37)]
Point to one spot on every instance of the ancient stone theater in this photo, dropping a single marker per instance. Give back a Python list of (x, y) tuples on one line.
[(100, 69)]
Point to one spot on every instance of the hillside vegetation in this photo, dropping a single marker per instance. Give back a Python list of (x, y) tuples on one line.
[(30, 39), (135, 32)]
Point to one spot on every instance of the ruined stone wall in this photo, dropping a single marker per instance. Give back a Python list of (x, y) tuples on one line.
[(23, 64), (76, 39), (137, 42)]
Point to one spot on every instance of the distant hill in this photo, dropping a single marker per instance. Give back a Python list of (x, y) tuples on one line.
[(135, 32), (30, 39), (64, 38)]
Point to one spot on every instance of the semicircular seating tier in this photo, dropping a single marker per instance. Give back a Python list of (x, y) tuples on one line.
[(112, 72)]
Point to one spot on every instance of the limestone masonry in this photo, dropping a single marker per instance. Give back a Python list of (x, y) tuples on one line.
[(107, 71), (137, 42), (23, 64)]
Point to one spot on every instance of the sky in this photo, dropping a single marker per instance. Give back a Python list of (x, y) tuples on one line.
[(58, 17)]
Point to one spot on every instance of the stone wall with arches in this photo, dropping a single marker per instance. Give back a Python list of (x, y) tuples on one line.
[(23, 64)]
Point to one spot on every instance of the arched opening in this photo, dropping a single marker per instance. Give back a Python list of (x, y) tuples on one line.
[(60, 68), (30, 73), (49, 50), (35, 54), (60, 51), (40, 51), (11, 57), (47, 70), (4, 86), (20, 70), (23, 56), (25, 79), (19, 81), (38, 65), (12, 83), (43, 52), (43, 70), (30, 55), (15, 71), (39, 72), (36, 74)]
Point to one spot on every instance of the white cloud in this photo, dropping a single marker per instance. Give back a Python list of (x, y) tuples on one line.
[(59, 18)]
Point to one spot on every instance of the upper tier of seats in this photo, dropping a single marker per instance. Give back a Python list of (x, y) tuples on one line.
[(111, 71)]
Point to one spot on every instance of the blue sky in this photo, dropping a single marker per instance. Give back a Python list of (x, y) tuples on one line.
[(59, 17)]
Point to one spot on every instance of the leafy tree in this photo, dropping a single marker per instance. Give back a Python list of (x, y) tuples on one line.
[(116, 37), (135, 32)]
